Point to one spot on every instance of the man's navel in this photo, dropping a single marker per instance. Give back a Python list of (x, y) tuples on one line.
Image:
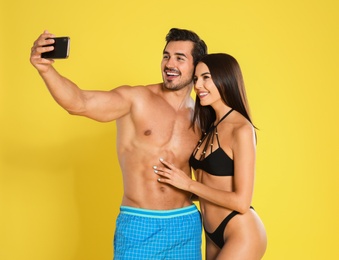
[(148, 132)]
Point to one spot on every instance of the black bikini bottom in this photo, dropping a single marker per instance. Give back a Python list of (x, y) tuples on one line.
[(218, 235)]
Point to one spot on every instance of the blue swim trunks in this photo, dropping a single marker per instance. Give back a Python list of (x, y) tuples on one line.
[(158, 234)]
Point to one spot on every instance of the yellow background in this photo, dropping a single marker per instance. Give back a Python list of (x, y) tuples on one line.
[(60, 184)]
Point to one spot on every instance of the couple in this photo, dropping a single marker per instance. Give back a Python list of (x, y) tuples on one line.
[(161, 134)]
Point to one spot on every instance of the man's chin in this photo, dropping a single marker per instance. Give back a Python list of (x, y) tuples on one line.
[(169, 84)]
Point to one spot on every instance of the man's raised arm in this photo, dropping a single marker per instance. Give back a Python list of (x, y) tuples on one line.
[(98, 105)]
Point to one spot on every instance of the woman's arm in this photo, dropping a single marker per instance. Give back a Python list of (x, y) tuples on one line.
[(244, 169)]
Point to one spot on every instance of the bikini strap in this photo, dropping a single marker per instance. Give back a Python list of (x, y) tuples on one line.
[(216, 130), (229, 112), (208, 137)]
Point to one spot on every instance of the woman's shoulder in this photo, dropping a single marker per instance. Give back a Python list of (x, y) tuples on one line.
[(243, 131), (240, 127)]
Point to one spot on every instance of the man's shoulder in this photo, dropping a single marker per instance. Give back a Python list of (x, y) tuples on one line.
[(141, 88), (155, 88)]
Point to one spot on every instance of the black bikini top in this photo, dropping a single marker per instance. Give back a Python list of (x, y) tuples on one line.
[(217, 163)]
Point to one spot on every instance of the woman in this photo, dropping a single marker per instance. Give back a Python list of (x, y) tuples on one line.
[(223, 162)]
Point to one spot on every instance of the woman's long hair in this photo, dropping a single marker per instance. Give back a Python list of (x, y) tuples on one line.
[(227, 77)]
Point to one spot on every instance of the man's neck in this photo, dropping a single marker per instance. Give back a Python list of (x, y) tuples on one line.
[(178, 99)]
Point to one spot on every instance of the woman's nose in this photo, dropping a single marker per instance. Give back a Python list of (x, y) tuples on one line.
[(197, 84)]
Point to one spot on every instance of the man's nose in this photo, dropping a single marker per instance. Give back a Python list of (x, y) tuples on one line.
[(170, 63)]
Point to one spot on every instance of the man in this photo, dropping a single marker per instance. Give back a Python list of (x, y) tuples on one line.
[(156, 221)]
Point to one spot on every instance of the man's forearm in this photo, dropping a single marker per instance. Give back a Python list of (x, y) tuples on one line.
[(65, 92)]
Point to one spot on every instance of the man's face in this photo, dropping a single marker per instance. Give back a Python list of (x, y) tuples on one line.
[(177, 65)]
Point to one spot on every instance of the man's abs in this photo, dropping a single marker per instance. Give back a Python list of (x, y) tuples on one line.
[(150, 194)]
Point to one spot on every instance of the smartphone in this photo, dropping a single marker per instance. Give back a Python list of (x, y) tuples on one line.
[(61, 49)]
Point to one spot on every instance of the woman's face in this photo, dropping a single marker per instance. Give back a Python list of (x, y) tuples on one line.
[(204, 86)]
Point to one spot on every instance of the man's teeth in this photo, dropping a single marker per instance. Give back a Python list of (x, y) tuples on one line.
[(172, 74)]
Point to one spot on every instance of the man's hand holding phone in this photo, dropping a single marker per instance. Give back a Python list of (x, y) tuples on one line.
[(60, 48), (47, 48)]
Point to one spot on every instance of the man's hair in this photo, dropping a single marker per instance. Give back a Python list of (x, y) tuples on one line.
[(199, 49)]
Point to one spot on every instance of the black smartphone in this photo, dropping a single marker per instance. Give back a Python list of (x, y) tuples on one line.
[(61, 49)]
